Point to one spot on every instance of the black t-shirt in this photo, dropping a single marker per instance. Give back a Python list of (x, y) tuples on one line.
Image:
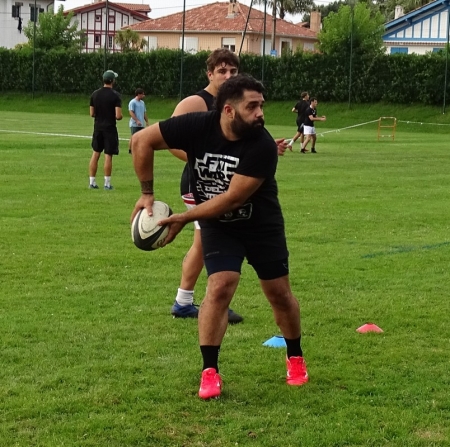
[(213, 160), (105, 100), (184, 183), (309, 112), (301, 107)]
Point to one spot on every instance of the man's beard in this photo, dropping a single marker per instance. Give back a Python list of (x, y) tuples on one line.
[(242, 129)]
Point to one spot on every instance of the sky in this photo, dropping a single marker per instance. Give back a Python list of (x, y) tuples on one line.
[(165, 7)]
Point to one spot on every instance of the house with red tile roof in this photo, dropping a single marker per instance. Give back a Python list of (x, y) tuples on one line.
[(227, 25), (101, 20)]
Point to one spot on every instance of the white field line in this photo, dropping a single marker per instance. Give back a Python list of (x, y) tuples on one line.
[(47, 134)]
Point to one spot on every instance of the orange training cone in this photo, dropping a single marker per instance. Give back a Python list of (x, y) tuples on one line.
[(369, 327)]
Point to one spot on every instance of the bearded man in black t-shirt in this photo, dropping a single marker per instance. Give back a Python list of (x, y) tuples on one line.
[(232, 162)]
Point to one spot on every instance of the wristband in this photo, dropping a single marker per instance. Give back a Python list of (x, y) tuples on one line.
[(147, 192)]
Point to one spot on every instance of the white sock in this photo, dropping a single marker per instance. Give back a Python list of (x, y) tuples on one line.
[(185, 297), (92, 180), (107, 181)]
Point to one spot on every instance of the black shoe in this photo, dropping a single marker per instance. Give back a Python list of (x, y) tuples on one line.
[(233, 317), (303, 151), (129, 151), (313, 151)]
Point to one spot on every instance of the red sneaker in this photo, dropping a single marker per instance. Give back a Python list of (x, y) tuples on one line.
[(210, 385), (296, 371)]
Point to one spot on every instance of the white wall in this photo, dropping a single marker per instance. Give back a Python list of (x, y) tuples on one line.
[(9, 34)]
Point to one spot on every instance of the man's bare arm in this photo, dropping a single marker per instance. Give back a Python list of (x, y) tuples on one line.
[(143, 146), (190, 104), (240, 189)]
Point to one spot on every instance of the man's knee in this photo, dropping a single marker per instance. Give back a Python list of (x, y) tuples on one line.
[(222, 285)]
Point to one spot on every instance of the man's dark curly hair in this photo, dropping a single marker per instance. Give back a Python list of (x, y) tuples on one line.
[(233, 89)]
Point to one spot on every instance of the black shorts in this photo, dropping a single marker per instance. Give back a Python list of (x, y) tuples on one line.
[(300, 127), (135, 129), (106, 140), (267, 253)]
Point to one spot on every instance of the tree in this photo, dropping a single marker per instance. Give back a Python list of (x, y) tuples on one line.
[(354, 29), (54, 32), (387, 7), (324, 9), (129, 40), (281, 7)]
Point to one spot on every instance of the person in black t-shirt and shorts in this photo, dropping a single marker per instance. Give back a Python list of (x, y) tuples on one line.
[(106, 108), (309, 129), (232, 161), (300, 108)]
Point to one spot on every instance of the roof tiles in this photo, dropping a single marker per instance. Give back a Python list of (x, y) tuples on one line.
[(214, 18)]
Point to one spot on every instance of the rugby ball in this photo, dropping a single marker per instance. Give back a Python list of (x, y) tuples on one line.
[(145, 231)]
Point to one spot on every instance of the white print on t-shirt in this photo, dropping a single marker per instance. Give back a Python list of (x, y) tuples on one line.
[(213, 176), (214, 173)]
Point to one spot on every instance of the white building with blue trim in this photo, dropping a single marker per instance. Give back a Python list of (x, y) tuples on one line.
[(423, 30)]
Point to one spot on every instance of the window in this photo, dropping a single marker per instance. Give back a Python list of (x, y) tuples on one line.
[(190, 44), (110, 41), (34, 13), (16, 9), (98, 18), (286, 46), (229, 43), (97, 39), (152, 43), (267, 47), (396, 50)]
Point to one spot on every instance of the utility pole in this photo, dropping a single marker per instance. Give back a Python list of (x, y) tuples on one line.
[(34, 51), (352, 6), (106, 34)]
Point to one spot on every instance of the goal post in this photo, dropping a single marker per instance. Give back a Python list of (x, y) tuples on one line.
[(387, 122)]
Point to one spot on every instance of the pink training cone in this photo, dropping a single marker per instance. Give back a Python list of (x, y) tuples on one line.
[(369, 327)]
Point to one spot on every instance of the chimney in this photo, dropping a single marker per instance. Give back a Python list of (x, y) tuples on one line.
[(398, 12), (315, 19), (232, 9)]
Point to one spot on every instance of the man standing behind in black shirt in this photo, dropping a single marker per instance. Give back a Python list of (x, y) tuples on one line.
[(221, 65), (106, 108), (232, 162), (300, 108), (309, 129)]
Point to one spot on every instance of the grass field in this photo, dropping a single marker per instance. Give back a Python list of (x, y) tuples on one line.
[(92, 357)]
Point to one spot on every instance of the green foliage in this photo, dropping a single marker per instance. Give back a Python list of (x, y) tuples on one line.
[(355, 29), (129, 40), (324, 9), (54, 32), (281, 7), (170, 74), (387, 7)]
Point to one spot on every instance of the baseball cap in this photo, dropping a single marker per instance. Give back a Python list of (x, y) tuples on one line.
[(109, 75)]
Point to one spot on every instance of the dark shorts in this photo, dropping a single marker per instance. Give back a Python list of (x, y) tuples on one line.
[(135, 129), (225, 251), (300, 127), (106, 140)]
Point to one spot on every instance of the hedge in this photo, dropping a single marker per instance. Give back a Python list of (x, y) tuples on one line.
[(399, 78)]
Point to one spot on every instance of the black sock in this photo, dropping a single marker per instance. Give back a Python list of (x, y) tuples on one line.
[(210, 357), (294, 348)]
